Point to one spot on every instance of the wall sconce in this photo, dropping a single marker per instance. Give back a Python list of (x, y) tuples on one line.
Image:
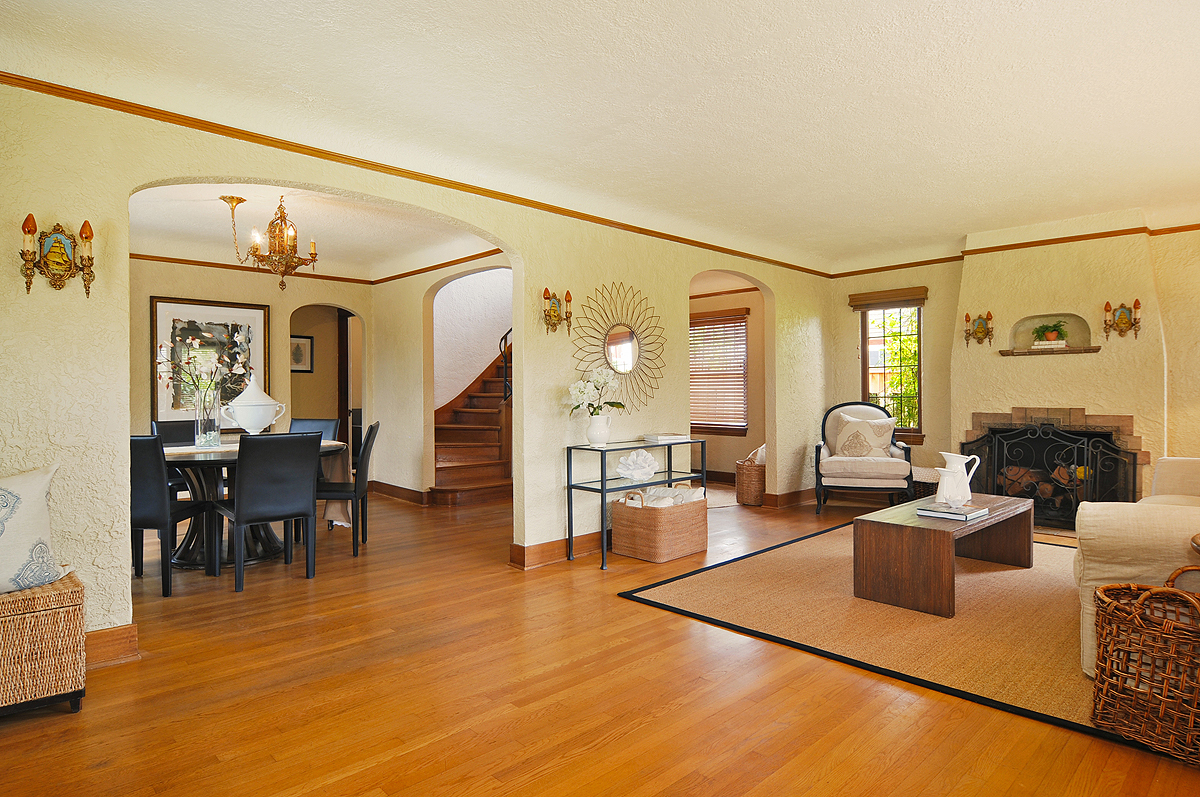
[(978, 330), (54, 257), (553, 311), (1123, 319)]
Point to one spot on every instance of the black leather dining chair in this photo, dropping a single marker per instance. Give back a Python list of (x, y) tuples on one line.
[(328, 427), (355, 491), (150, 503), (175, 433), (276, 480)]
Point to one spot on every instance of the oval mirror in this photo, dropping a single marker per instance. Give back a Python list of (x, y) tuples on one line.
[(621, 348)]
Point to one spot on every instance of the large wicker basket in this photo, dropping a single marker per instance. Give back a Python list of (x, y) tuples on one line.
[(751, 482), (659, 534), (1148, 649), (42, 645)]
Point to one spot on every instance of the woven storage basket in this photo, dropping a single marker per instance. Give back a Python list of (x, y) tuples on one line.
[(659, 534), (751, 482), (42, 645), (1148, 649)]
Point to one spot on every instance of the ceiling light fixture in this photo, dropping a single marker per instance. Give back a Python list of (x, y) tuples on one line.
[(281, 255)]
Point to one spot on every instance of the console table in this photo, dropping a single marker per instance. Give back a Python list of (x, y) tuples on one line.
[(605, 485)]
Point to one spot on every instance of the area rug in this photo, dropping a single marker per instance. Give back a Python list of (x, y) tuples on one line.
[(1013, 644)]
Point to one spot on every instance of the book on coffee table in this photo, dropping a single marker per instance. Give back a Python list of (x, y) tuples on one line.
[(964, 512)]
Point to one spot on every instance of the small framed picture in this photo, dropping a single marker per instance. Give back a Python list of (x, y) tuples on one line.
[(300, 354)]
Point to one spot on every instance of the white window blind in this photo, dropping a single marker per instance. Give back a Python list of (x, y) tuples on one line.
[(717, 344)]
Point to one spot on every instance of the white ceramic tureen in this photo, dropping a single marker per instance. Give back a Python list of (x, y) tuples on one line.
[(253, 409)]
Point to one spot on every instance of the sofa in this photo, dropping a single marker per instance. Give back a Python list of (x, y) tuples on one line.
[(1141, 543)]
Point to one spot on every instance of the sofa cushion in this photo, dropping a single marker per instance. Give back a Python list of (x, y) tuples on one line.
[(864, 468), (1172, 500), (864, 438), (26, 559)]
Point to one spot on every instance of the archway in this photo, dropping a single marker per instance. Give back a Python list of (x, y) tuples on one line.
[(325, 358)]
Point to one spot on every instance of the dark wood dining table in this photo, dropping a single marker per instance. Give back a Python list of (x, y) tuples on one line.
[(205, 472)]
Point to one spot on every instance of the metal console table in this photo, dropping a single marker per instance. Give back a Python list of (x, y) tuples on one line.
[(604, 485)]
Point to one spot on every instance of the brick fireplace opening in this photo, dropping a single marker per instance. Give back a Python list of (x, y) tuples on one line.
[(1056, 456)]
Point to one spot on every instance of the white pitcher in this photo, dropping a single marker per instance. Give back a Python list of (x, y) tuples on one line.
[(954, 482)]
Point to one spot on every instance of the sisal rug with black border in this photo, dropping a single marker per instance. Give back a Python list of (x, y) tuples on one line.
[(1013, 643)]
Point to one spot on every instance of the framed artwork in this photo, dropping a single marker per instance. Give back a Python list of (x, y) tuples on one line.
[(203, 330), (300, 354)]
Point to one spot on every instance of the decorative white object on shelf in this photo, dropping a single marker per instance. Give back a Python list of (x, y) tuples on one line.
[(665, 437), (639, 466), (253, 410), (598, 431)]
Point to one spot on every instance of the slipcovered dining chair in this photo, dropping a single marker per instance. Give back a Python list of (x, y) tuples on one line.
[(151, 506), (859, 451), (276, 480), (356, 491)]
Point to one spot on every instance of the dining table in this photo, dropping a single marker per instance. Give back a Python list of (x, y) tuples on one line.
[(206, 471)]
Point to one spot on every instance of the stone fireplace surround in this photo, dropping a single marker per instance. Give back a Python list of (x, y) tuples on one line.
[(1069, 419)]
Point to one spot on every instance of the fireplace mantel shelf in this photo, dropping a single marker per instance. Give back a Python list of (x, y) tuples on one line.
[(1040, 352)]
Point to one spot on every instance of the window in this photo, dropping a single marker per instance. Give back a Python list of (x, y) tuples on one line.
[(891, 355), (717, 342)]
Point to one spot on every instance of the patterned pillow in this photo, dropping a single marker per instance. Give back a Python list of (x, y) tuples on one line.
[(862, 438), (25, 556)]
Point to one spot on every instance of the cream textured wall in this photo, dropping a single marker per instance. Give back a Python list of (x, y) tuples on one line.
[(1177, 271), (470, 315), (315, 395), (941, 332), (724, 451), (1125, 378)]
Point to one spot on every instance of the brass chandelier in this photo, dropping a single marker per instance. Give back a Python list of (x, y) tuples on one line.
[(281, 257)]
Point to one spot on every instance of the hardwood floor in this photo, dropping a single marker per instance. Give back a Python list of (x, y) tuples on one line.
[(428, 666)]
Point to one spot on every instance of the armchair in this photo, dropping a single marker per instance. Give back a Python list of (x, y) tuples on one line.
[(858, 464), (1142, 543)]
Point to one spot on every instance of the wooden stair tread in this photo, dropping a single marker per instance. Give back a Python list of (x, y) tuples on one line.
[(463, 426), (472, 464), (479, 486)]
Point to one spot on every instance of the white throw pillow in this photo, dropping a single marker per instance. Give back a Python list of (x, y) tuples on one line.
[(864, 438), (25, 556)]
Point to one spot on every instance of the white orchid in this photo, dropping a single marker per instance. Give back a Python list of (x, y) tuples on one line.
[(587, 393)]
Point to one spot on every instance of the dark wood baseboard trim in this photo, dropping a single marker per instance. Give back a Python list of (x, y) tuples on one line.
[(528, 557), (108, 646), (722, 477), (403, 493), (790, 499)]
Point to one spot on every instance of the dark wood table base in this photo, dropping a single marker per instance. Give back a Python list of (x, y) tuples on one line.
[(908, 561)]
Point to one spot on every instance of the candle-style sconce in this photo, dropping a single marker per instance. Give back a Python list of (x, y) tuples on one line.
[(55, 255), (1123, 319), (978, 330), (554, 312)]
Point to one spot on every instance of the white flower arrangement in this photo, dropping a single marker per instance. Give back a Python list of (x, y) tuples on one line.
[(588, 393)]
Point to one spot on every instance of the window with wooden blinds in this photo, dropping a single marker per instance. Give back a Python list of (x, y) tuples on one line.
[(717, 343)]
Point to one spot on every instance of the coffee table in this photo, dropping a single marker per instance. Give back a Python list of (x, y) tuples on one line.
[(907, 560)]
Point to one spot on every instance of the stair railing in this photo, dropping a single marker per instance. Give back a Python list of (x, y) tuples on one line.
[(505, 343)]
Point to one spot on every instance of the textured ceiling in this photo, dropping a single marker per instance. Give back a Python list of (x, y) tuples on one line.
[(834, 134)]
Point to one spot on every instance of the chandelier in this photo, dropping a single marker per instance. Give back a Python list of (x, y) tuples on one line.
[(280, 257)]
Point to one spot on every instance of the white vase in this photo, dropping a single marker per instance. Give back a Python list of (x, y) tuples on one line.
[(599, 430)]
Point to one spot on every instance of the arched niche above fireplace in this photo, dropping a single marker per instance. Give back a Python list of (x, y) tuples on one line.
[(1078, 337)]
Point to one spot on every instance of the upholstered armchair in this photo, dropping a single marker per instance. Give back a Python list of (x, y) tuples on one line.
[(859, 451), (1142, 543)]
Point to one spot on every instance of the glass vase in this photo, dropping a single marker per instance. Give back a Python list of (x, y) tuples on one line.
[(208, 419)]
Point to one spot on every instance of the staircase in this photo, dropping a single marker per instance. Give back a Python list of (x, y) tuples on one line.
[(472, 440)]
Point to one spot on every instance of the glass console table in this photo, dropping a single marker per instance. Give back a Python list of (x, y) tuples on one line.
[(607, 484)]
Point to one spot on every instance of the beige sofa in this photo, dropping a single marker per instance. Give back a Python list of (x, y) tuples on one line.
[(1142, 543)]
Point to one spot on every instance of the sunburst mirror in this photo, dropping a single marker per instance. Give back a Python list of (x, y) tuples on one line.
[(618, 328)]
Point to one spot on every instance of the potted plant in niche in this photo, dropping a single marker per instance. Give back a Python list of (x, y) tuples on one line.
[(1051, 332)]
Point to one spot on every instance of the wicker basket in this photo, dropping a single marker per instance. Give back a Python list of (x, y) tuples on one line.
[(42, 645), (659, 534), (751, 482), (1148, 649)]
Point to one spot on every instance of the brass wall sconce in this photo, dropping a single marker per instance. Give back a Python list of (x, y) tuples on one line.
[(55, 255), (553, 311), (1123, 319), (978, 330)]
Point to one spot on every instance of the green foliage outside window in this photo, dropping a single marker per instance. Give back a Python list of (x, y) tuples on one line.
[(894, 336)]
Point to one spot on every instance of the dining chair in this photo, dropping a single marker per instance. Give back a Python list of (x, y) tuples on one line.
[(276, 480), (328, 427), (151, 506), (175, 433), (355, 491)]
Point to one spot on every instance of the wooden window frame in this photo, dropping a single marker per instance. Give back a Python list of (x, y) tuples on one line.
[(733, 313), (892, 299)]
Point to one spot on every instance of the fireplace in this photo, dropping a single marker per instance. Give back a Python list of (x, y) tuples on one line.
[(1056, 457)]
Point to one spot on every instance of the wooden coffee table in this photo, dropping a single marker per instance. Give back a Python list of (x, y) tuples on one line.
[(907, 560)]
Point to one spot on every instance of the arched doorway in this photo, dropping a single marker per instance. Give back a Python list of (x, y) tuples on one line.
[(325, 361)]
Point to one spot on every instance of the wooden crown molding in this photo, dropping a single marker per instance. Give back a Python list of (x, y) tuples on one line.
[(722, 293)]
